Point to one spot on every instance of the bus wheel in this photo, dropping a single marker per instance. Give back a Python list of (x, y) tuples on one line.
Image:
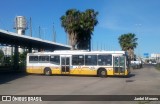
[(47, 71), (102, 73)]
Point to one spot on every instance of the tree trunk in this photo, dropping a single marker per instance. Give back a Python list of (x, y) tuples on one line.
[(73, 40), (130, 53)]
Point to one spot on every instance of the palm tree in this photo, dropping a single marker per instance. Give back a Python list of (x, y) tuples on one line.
[(79, 27), (88, 21), (128, 42), (70, 23)]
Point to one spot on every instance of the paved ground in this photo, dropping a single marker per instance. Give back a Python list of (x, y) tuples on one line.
[(145, 81)]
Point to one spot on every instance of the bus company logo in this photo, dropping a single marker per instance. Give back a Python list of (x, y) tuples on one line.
[(6, 98)]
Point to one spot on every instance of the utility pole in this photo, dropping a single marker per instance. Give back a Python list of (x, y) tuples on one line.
[(101, 47), (30, 26), (39, 32), (54, 34), (97, 46)]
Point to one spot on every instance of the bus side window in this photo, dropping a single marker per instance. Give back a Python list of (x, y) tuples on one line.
[(90, 59), (78, 60), (44, 59), (33, 59), (105, 60), (55, 60)]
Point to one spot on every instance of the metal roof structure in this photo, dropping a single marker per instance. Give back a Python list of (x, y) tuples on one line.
[(14, 39)]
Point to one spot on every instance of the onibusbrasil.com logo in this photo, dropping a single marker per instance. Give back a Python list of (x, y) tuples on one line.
[(21, 98)]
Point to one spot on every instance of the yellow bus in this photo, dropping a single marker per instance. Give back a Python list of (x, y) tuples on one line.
[(100, 63)]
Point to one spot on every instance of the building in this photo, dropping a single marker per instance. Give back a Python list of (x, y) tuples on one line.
[(156, 57), (7, 51)]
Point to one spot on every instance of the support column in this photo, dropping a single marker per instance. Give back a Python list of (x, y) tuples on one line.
[(16, 58), (30, 50)]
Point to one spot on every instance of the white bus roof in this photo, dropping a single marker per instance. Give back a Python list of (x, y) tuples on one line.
[(68, 52)]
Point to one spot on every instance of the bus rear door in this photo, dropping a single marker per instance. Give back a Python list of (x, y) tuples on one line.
[(119, 65)]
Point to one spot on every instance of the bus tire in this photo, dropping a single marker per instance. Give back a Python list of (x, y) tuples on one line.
[(47, 71), (102, 73)]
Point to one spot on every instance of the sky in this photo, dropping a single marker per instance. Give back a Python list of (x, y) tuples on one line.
[(116, 17)]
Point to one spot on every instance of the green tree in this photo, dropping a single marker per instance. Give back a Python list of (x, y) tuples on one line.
[(79, 27), (1, 54), (1, 57), (22, 58), (128, 42), (69, 22), (88, 20)]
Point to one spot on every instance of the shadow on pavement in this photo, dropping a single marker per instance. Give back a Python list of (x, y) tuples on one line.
[(128, 76), (9, 76)]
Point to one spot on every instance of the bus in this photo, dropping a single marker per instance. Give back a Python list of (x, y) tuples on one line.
[(99, 63)]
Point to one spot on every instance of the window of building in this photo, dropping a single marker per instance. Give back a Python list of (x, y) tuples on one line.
[(105, 60), (90, 59), (55, 60), (78, 60)]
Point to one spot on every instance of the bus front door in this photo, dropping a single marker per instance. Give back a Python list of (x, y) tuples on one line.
[(119, 65), (65, 65)]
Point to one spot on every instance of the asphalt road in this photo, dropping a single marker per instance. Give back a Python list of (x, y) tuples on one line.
[(145, 81)]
